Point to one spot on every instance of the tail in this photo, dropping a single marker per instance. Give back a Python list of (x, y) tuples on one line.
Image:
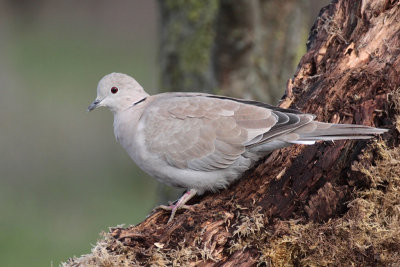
[(316, 131)]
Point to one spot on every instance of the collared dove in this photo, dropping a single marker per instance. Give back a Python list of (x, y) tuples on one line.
[(204, 142)]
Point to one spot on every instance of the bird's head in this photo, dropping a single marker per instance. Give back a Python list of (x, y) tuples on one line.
[(117, 91)]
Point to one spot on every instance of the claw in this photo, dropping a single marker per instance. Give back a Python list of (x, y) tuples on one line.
[(180, 204)]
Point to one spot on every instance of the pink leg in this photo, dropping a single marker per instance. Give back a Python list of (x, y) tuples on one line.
[(180, 204)]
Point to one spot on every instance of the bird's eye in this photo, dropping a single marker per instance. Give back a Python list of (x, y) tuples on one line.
[(114, 90)]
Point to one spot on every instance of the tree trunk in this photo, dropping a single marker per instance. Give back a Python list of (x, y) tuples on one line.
[(326, 204)]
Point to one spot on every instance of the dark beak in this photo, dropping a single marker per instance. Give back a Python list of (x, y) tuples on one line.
[(94, 105)]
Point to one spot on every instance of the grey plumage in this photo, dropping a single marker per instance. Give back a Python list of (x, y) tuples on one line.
[(204, 142)]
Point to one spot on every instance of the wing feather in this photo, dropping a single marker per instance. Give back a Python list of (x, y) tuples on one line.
[(205, 133)]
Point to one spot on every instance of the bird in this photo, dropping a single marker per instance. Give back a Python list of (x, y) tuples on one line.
[(204, 142)]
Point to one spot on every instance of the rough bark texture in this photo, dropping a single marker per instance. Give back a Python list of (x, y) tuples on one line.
[(327, 204)]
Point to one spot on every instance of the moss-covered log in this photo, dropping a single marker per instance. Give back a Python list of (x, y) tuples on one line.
[(328, 204)]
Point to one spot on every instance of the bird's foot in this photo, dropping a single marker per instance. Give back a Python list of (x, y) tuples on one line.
[(174, 209), (180, 204)]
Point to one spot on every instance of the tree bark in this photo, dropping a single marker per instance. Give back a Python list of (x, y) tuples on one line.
[(293, 207)]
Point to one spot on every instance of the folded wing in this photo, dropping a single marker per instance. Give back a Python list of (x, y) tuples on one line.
[(206, 133)]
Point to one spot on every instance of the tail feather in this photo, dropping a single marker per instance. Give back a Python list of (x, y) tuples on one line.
[(330, 131)]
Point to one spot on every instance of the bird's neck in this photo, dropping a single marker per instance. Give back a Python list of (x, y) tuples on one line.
[(126, 119), (128, 102)]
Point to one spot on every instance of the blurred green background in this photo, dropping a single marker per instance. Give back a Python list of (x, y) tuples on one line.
[(63, 178)]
